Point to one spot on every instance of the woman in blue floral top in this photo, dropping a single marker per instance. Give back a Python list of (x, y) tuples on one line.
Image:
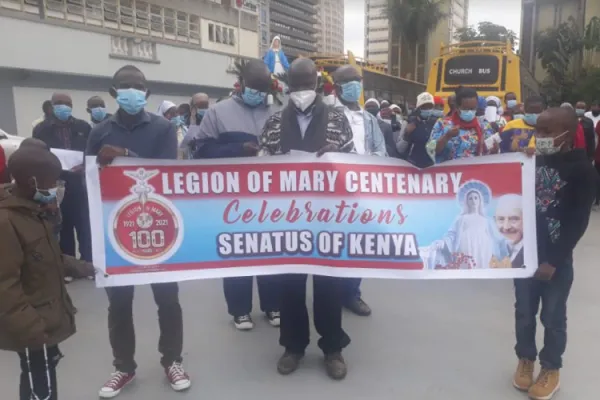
[(461, 134)]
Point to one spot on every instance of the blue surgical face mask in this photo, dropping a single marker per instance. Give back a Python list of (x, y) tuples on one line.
[(177, 120), (200, 113), (511, 104), (47, 196), (467, 115), (518, 116), (531, 119), (132, 101), (425, 114), (438, 113), (98, 113), (253, 97), (351, 91), (62, 112), (580, 112)]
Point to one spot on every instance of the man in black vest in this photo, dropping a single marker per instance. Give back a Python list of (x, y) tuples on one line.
[(307, 124)]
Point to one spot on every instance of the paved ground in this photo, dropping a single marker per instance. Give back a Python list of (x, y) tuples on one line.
[(425, 340)]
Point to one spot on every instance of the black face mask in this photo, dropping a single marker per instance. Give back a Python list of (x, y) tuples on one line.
[(595, 113), (373, 111)]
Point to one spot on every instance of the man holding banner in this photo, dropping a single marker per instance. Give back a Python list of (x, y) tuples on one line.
[(132, 131), (308, 125), (231, 129)]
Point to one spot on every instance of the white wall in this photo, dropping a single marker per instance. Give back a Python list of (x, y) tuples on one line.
[(28, 104), (88, 53)]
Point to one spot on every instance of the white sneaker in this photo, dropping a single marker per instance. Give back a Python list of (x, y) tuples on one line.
[(177, 377), (112, 388), (243, 323), (274, 318)]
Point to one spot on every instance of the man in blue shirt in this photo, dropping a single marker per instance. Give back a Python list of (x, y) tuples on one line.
[(231, 129), (132, 131)]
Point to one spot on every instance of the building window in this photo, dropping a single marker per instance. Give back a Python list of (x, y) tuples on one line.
[(211, 32), (218, 37), (232, 36)]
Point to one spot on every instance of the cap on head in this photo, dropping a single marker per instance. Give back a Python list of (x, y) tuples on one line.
[(425, 98), (33, 161)]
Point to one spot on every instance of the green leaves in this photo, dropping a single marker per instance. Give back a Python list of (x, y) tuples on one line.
[(486, 32), (415, 19)]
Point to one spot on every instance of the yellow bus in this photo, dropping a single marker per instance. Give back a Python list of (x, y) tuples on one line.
[(376, 82), (491, 68)]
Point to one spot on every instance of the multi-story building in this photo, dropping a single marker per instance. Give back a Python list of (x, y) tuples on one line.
[(377, 32), (417, 67), (330, 38), (539, 15), (75, 46), (295, 22)]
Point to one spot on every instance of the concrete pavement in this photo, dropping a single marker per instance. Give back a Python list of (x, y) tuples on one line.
[(426, 340)]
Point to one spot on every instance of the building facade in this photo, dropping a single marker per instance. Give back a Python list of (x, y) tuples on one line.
[(377, 32), (75, 46), (295, 22), (330, 37), (539, 15), (417, 68)]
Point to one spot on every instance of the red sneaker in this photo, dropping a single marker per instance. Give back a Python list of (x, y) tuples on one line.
[(177, 377), (118, 380)]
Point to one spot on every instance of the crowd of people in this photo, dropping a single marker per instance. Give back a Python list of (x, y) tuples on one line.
[(37, 222)]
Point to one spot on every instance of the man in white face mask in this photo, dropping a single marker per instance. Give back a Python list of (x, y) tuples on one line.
[(307, 124)]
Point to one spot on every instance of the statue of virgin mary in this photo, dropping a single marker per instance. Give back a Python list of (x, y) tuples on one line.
[(275, 58)]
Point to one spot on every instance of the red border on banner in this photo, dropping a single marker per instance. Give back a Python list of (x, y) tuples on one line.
[(266, 262), (502, 178)]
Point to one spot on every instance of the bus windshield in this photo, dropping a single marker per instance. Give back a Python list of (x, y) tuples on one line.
[(491, 68)]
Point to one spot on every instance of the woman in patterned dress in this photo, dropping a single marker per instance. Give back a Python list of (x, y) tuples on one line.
[(461, 134)]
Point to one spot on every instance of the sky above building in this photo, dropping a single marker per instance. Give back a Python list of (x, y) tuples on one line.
[(506, 13)]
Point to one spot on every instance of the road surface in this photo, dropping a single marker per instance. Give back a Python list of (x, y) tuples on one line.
[(426, 340)]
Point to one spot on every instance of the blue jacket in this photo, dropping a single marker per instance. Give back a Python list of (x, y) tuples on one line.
[(270, 60), (225, 128)]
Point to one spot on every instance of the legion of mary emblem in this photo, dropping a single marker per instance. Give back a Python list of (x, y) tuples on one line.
[(145, 228)]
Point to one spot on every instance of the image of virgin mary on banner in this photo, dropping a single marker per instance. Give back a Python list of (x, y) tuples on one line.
[(473, 241)]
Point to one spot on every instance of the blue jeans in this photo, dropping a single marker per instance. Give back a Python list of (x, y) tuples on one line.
[(553, 297), (350, 289)]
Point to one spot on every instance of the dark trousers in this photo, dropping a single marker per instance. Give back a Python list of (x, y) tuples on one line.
[(553, 297), (122, 333), (238, 294), (350, 289), (327, 309), (39, 375), (75, 219), (597, 164)]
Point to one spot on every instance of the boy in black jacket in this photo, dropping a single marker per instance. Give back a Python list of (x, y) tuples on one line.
[(565, 190)]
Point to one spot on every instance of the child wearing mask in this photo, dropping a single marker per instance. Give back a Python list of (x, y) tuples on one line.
[(565, 190), (36, 312)]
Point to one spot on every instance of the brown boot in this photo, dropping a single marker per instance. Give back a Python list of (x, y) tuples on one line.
[(335, 366), (546, 385), (288, 363), (523, 379)]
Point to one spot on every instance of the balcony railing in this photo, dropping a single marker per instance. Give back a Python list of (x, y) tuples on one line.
[(131, 16)]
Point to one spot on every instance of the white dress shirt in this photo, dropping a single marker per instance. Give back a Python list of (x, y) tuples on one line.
[(357, 123)]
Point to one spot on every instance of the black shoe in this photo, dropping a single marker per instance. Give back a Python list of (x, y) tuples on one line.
[(274, 318), (288, 363), (359, 307), (335, 366), (243, 322)]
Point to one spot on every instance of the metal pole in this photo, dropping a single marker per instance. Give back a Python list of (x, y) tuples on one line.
[(239, 38)]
